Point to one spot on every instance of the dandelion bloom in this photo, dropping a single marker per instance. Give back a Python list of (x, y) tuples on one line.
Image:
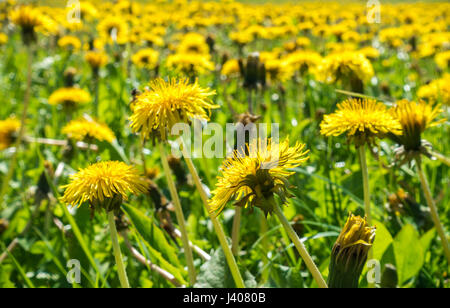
[(8, 128), (345, 65), (27, 17), (104, 184), (85, 129), (146, 58), (191, 63), (437, 90), (253, 179), (414, 118), (362, 120), (69, 42), (167, 103), (69, 97), (96, 59), (3, 38)]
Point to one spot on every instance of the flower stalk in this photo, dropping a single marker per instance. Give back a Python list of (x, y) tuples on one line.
[(300, 247), (179, 214), (117, 253), (217, 226), (433, 209)]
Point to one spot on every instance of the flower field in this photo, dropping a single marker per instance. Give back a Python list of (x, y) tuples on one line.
[(224, 144)]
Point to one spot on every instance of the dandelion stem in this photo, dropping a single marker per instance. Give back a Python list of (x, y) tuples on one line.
[(26, 103), (440, 157), (235, 230), (217, 226), (433, 209), (179, 214), (365, 175), (117, 253), (300, 247)]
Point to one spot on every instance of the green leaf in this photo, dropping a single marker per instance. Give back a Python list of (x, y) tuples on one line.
[(382, 240), (409, 255), (426, 239), (285, 277), (216, 274), (153, 235)]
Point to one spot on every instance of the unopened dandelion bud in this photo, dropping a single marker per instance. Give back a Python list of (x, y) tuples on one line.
[(350, 253)]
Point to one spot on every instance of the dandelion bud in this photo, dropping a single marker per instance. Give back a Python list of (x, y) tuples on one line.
[(177, 168), (350, 252)]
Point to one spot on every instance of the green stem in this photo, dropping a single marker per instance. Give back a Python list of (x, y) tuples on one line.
[(117, 253), (365, 175), (26, 103), (300, 247), (217, 226), (433, 209), (441, 157), (235, 231), (179, 214)]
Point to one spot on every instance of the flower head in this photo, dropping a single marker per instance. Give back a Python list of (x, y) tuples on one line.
[(85, 129), (69, 97), (104, 185), (8, 128), (96, 59), (28, 19), (69, 42), (362, 120), (168, 103), (349, 253), (190, 63), (414, 118), (146, 58), (437, 90), (254, 178), (3, 38)]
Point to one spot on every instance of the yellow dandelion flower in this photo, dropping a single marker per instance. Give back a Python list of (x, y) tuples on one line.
[(303, 60), (69, 42), (345, 65), (8, 129), (443, 59), (436, 90), (3, 39), (104, 185), (253, 179), (168, 103), (69, 97), (190, 63), (96, 59), (114, 30), (231, 68), (414, 118), (362, 120), (87, 129), (193, 43), (152, 39), (146, 58), (27, 17)]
